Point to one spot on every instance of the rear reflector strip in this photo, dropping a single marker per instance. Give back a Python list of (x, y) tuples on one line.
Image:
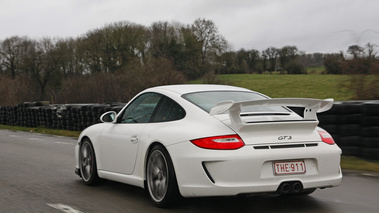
[(288, 146)]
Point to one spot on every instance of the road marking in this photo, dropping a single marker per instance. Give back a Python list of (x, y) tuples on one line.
[(59, 142), (63, 208), (36, 139)]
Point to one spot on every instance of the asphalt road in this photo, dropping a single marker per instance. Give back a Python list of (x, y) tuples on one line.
[(37, 175)]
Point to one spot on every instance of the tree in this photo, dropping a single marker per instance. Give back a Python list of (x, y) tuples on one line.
[(252, 59), (70, 59), (272, 54), (333, 63), (371, 53), (42, 65), (294, 67), (113, 47), (242, 59), (212, 43), (12, 51), (287, 54), (356, 51)]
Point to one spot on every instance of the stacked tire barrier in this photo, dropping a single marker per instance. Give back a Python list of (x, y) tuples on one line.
[(354, 125), (68, 116)]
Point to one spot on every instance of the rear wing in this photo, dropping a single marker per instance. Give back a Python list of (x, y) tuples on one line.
[(312, 106)]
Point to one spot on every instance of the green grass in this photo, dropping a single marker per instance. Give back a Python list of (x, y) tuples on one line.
[(358, 164), (43, 130), (316, 70), (294, 86)]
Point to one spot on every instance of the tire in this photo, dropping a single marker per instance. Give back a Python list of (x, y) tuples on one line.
[(161, 181), (371, 153), (371, 142), (370, 121), (328, 119), (87, 163), (351, 151)]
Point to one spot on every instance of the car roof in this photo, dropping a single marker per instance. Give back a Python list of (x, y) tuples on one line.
[(191, 88)]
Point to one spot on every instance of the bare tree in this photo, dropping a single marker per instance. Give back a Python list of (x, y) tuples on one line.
[(272, 54), (212, 43), (370, 48), (12, 50), (356, 51), (42, 65)]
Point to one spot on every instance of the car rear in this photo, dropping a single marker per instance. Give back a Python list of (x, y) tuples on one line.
[(267, 149)]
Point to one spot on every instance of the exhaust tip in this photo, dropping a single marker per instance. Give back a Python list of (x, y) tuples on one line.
[(290, 187), (284, 188), (297, 187)]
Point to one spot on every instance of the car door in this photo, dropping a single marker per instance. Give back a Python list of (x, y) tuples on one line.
[(119, 141)]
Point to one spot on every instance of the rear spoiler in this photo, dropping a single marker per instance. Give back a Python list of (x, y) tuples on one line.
[(312, 106)]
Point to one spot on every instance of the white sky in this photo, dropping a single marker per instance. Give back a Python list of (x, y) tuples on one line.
[(311, 25)]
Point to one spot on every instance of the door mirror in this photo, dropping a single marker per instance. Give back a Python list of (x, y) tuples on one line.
[(108, 117)]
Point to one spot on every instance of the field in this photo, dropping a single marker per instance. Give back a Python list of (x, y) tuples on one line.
[(291, 86)]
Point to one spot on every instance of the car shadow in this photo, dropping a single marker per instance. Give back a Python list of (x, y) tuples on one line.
[(256, 203), (252, 203)]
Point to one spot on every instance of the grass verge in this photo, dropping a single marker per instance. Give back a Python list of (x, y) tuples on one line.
[(359, 164), (347, 162), (43, 130)]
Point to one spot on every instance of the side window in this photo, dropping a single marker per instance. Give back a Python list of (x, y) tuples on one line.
[(141, 109), (168, 110)]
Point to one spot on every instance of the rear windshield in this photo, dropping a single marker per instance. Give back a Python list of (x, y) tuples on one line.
[(208, 100)]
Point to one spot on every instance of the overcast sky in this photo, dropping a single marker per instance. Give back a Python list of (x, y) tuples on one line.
[(311, 25)]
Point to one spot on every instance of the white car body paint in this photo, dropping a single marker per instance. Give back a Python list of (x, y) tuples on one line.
[(206, 172)]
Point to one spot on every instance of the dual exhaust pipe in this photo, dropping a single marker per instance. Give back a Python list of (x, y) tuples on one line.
[(290, 187)]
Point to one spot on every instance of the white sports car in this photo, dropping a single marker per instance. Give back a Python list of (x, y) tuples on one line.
[(211, 140)]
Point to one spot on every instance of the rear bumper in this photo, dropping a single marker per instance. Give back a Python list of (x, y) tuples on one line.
[(202, 172)]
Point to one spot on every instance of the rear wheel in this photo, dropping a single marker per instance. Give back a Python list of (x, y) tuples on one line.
[(160, 177), (87, 163)]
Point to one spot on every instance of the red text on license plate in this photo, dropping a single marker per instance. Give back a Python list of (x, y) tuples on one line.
[(289, 167)]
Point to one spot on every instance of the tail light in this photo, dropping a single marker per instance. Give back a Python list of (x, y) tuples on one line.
[(326, 137), (224, 142)]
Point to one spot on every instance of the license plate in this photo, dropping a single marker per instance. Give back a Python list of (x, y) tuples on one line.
[(289, 167)]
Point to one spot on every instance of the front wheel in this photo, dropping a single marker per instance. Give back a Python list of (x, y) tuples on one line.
[(87, 163), (160, 177)]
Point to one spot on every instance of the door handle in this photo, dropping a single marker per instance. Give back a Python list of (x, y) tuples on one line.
[(134, 139)]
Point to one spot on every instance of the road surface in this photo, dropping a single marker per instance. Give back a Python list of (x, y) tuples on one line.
[(37, 175)]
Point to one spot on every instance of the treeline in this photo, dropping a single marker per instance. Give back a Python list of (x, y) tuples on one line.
[(363, 66), (113, 63)]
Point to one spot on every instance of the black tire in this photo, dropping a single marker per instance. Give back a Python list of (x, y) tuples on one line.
[(370, 153), (371, 131), (328, 119), (350, 141), (349, 130), (161, 181), (371, 142), (87, 163), (369, 121), (351, 151)]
